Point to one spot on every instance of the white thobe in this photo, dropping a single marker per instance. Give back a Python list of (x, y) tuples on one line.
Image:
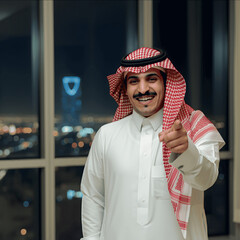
[(124, 187)]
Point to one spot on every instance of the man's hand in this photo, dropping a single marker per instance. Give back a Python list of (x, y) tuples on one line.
[(175, 138)]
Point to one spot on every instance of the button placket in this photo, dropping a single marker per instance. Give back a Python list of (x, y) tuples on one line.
[(144, 173)]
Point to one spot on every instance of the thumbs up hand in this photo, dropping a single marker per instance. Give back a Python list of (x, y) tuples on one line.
[(175, 138)]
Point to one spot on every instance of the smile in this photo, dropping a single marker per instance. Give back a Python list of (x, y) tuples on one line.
[(145, 99)]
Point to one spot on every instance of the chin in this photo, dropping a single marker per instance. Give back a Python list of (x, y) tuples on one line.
[(146, 113)]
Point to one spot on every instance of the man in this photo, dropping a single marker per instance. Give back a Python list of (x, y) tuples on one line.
[(146, 171)]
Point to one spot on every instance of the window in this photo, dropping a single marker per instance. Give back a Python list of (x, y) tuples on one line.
[(19, 74), (196, 39), (68, 203), (87, 48), (19, 123), (20, 204), (217, 202)]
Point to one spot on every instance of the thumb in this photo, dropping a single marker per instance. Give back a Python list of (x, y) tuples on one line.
[(161, 135)]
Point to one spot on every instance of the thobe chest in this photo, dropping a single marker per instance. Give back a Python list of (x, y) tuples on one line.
[(130, 186)]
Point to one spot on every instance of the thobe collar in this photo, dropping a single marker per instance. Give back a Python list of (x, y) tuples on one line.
[(155, 120)]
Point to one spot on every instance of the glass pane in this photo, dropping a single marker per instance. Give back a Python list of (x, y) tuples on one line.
[(198, 47), (20, 201), (19, 78), (217, 203), (90, 39), (68, 203)]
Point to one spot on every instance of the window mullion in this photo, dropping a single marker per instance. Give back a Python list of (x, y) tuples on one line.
[(145, 23), (47, 120)]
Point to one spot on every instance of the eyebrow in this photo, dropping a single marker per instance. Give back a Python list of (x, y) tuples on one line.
[(152, 74), (148, 75), (134, 77)]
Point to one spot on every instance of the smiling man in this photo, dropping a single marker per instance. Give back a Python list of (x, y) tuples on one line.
[(147, 170)]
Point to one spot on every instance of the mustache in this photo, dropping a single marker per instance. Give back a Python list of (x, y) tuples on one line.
[(144, 94)]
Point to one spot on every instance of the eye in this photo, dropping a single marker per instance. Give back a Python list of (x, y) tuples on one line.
[(133, 81), (152, 79)]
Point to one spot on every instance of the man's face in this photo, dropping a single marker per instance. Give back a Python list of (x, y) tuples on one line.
[(146, 91)]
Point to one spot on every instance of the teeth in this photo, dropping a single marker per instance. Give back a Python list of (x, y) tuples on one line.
[(145, 99)]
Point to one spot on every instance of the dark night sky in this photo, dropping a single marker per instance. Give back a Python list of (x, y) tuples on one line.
[(83, 47)]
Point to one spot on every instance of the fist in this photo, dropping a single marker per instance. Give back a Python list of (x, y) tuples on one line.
[(175, 138)]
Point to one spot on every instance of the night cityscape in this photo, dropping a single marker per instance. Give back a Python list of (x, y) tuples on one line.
[(20, 139), (73, 132)]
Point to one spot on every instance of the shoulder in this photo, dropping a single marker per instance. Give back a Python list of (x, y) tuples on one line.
[(109, 128), (197, 117), (201, 127), (110, 133), (192, 117)]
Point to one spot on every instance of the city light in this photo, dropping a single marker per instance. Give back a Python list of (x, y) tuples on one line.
[(5, 129), (6, 152), (74, 145), (85, 131), (23, 231), (27, 130), (72, 193), (12, 129), (55, 133), (25, 145), (67, 129), (19, 130), (26, 204)]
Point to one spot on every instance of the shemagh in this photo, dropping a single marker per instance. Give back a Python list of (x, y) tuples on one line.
[(197, 126)]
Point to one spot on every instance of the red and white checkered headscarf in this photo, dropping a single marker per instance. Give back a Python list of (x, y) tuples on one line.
[(196, 124)]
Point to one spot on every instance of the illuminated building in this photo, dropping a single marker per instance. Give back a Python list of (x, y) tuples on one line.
[(71, 100)]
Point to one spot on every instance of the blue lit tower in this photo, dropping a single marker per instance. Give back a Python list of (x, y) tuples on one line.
[(71, 100)]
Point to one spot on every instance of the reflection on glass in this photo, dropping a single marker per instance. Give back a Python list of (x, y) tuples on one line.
[(88, 47), (19, 71), (217, 202), (19, 204), (68, 203)]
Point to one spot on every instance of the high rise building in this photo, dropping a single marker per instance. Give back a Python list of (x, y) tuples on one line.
[(71, 100)]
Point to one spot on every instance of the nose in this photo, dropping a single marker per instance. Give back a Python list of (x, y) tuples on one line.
[(143, 86)]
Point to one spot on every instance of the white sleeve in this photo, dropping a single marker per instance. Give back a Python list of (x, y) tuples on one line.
[(92, 187), (199, 163)]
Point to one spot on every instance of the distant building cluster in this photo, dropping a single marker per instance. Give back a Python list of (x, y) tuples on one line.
[(21, 138), (18, 138)]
